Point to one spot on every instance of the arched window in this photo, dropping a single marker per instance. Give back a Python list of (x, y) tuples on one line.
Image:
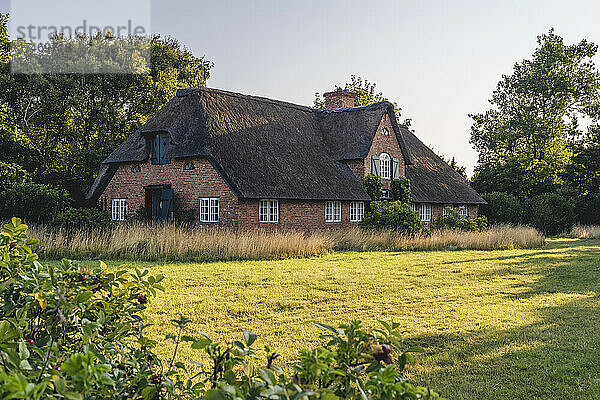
[(189, 166), (136, 168), (385, 132), (384, 164)]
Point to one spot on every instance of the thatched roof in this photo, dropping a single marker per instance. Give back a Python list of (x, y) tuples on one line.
[(263, 148), (432, 180)]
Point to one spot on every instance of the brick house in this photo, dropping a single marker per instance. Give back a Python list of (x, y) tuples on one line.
[(233, 160)]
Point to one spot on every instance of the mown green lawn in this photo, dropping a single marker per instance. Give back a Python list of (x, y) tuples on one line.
[(514, 324)]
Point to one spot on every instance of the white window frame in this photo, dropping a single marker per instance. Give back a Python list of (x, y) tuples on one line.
[(424, 210), (385, 132), (386, 194), (464, 210), (268, 211), (210, 210), (357, 211), (119, 209), (385, 166), (333, 211)]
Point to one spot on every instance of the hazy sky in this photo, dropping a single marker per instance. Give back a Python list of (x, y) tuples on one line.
[(439, 60)]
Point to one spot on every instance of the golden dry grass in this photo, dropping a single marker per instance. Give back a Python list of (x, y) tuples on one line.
[(585, 232), (174, 243)]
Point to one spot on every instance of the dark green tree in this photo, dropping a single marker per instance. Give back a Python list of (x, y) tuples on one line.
[(59, 127), (533, 123)]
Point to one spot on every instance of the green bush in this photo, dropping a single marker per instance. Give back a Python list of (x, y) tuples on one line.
[(393, 215), (33, 202), (502, 208), (550, 213), (454, 220), (11, 175), (401, 189), (73, 332), (372, 185), (587, 209), (91, 219)]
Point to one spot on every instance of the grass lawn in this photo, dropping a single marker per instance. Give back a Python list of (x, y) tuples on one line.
[(518, 324)]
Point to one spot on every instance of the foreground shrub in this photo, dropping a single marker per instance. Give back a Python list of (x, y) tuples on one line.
[(372, 185), (394, 216), (33, 202), (502, 208), (587, 209), (550, 213), (73, 332), (454, 220), (75, 219)]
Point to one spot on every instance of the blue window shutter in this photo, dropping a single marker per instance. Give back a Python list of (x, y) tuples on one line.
[(375, 166), (164, 146), (166, 198), (395, 168), (154, 149)]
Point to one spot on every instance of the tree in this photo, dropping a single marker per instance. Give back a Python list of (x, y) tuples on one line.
[(533, 123), (61, 126), (4, 42)]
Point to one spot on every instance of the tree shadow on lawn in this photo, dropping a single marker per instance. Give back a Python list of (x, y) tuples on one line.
[(556, 357)]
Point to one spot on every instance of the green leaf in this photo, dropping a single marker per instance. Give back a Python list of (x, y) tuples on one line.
[(215, 394), (249, 337), (268, 376), (83, 296), (73, 396), (327, 328)]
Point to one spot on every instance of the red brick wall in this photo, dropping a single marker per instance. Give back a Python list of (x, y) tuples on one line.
[(384, 144), (188, 186), (357, 167), (204, 181), (293, 214)]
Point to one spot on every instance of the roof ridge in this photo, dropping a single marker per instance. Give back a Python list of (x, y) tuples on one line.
[(188, 91)]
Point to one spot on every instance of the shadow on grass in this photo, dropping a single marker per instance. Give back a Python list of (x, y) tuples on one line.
[(556, 357)]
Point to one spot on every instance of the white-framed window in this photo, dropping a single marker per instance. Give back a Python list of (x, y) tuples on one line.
[(333, 211), (464, 210), (424, 211), (357, 211), (119, 209), (268, 211), (446, 210), (385, 132), (209, 209), (384, 165), (386, 194)]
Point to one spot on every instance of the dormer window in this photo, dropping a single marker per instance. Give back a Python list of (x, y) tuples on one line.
[(385, 132), (136, 168), (159, 147), (189, 166)]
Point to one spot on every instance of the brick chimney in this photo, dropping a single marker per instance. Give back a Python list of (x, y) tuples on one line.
[(339, 99)]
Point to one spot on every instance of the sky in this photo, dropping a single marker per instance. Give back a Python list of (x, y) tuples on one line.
[(439, 60)]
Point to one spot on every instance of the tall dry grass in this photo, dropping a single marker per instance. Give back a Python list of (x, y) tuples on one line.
[(173, 243), (495, 238), (585, 232)]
